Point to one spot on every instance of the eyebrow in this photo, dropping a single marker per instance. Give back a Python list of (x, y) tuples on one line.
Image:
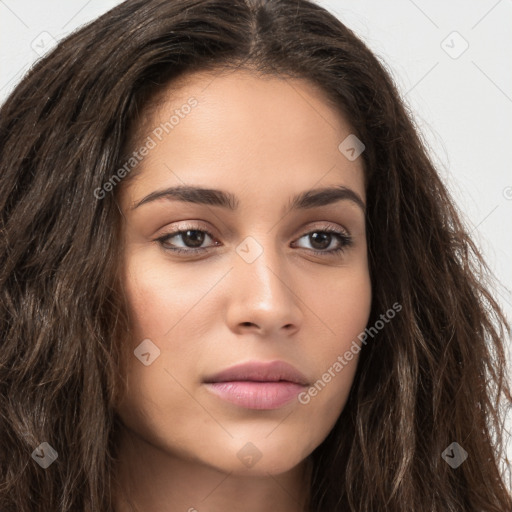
[(212, 197)]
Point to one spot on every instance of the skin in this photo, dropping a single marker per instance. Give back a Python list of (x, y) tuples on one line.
[(264, 140)]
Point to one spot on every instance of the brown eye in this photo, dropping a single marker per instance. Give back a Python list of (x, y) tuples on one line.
[(192, 238), (322, 239)]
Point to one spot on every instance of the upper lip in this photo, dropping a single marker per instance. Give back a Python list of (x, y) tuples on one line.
[(258, 371)]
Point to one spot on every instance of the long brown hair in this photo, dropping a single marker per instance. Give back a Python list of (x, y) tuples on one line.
[(435, 375)]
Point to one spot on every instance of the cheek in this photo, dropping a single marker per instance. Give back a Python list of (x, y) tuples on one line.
[(344, 311), (158, 300), (159, 296)]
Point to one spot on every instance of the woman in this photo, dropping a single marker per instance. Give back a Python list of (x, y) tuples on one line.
[(233, 280)]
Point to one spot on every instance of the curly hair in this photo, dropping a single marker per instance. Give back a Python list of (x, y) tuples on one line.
[(436, 374)]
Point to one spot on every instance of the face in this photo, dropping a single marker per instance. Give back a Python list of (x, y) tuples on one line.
[(254, 276)]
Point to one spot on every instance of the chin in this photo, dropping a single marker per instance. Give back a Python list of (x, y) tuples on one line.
[(260, 455)]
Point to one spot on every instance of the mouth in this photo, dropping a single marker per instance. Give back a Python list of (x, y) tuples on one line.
[(257, 385)]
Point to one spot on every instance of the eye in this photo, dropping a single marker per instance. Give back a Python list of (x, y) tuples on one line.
[(193, 237), (322, 239)]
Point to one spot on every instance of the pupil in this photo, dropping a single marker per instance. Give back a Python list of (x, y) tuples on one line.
[(197, 240), (326, 238)]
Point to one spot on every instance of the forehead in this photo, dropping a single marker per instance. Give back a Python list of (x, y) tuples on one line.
[(244, 130)]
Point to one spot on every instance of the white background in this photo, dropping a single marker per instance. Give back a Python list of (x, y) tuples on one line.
[(462, 103)]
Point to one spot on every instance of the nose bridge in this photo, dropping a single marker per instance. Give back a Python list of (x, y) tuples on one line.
[(259, 266), (264, 293)]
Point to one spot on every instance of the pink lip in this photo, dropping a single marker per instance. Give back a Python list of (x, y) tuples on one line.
[(257, 385), (256, 395)]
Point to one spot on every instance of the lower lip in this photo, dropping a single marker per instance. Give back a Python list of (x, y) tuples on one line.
[(256, 395)]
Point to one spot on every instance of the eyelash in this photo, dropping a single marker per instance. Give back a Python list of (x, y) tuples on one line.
[(345, 240)]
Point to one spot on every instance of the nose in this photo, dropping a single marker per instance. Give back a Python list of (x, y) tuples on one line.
[(263, 294)]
